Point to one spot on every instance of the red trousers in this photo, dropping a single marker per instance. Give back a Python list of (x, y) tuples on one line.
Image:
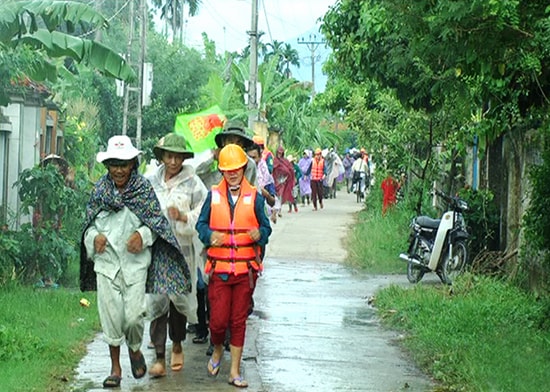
[(229, 304)]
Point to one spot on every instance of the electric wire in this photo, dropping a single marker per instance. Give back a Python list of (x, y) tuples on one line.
[(220, 20), (108, 20)]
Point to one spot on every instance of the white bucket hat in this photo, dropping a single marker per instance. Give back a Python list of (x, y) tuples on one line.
[(119, 147)]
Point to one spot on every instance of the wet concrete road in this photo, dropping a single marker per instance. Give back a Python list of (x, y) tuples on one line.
[(312, 328)]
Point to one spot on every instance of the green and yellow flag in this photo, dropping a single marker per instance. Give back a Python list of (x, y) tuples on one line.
[(200, 129)]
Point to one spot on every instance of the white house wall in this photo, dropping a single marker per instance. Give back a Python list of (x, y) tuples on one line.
[(24, 145)]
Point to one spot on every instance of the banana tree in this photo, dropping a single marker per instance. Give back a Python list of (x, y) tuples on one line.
[(46, 28)]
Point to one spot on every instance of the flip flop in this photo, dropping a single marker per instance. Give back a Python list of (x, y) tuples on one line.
[(238, 382), (112, 381), (213, 367), (139, 368), (176, 362)]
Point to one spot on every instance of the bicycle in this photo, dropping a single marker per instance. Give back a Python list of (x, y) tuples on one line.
[(358, 185)]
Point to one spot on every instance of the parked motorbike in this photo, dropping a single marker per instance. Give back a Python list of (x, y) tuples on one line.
[(438, 244)]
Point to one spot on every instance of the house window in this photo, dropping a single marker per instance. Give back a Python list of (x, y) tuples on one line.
[(59, 143), (48, 136)]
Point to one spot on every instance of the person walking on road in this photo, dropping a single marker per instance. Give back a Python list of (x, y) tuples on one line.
[(234, 227), (296, 187), (265, 152), (266, 183), (181, 194), (233, 133), (283, 173), (305, 180), (347, 161), (125, 234), (318, 174)]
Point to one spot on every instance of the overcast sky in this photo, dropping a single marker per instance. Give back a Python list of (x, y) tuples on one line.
[(227, 22)]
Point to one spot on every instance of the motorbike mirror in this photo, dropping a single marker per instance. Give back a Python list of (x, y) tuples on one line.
[(462, 205)]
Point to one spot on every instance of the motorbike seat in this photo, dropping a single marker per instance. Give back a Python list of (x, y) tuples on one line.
[(426, 221)]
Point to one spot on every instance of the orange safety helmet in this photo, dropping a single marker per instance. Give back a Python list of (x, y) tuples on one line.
[(258, 140), (232, 157), (318, 151)]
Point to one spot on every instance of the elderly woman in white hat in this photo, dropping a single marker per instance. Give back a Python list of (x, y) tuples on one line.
[(125, 233), (181, 194)]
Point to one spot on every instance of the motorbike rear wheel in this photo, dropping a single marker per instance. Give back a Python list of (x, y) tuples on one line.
[(415, 272), (455, 265)]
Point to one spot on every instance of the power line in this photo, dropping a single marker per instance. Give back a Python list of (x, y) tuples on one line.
[(108, 19), (312, 45), (267, 23)]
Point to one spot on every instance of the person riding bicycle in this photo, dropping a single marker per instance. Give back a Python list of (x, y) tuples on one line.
[(360, 172)]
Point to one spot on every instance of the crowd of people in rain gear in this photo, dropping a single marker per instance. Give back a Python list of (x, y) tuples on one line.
[(163, 245)]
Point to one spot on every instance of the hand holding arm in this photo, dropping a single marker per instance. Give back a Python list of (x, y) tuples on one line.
[(100, 243), (216, 238), (176, 214), (135, 243), (254, 234)]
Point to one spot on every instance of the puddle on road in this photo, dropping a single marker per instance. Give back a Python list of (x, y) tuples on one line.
[(318, 331)]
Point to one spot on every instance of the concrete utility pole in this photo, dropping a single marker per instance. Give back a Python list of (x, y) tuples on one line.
[(126, 92), (133, 104), (252, 104), (312, 45), (141, 60)]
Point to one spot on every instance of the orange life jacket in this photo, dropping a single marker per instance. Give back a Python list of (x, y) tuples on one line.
[(317, 169), (238, 252)]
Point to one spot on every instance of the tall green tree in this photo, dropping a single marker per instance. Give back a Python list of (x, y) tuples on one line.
[(478, 68), (46, 27), (173, 12), (290, 57)]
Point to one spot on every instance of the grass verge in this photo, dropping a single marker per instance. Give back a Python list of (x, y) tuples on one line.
[(376, 241), (480, 335), (43, 336)]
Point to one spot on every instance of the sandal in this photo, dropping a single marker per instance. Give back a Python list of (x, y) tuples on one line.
[(238, 382), (112, 381), (158, 369), (176, 362), (213, 367), (139, 368)]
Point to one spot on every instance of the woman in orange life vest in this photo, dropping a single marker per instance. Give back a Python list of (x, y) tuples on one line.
[(233, 226)]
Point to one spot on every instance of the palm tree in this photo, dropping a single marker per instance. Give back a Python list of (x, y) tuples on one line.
[(262, 48), (172, 11), (37, 25), (290, 57), (276, 51), (285, 54)]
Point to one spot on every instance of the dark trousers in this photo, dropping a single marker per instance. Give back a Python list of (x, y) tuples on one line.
[(177, 329), (317, 192), (202, 311)]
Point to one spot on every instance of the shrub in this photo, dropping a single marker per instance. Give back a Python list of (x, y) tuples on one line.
[(50, 243)]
